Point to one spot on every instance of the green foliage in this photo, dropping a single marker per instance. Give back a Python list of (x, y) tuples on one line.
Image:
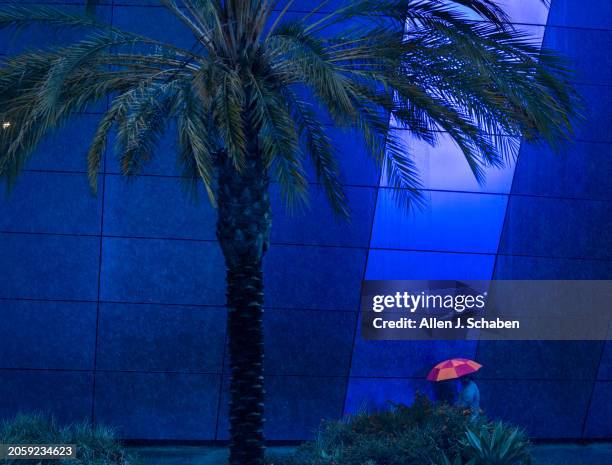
[(423, 433), (96, 445), (497, 445), (444, 460), (248, 87)]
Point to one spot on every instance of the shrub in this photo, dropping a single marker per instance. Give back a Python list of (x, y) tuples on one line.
[(444, 460), (420, 434), (95, 445), (497, 445)]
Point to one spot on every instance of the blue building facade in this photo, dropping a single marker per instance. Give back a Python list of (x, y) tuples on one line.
[(112, 306)]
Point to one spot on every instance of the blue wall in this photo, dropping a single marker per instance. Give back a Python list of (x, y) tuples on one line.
[(112, 305), (558, 226)]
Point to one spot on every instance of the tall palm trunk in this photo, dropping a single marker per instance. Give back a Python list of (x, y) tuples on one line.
[(243, 230)]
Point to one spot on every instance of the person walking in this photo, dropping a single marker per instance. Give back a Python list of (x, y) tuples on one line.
[(469, 397), (461, 369)]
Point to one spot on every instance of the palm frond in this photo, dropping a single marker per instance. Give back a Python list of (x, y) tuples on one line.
[(140, 127), (229, 108), (321, 151), (303, 58), (98, 146), (401, 173), (71, 59), (279, 142), (22, 16), (196, 139), (184, 18), (395, 13)]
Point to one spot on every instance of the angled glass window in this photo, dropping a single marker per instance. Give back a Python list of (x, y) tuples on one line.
[(444, 167), (395, 264), (450, 221)]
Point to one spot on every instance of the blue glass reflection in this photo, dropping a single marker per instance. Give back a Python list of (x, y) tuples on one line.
[(450, 221)]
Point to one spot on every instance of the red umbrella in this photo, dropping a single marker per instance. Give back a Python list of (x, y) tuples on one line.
[(452, 369)]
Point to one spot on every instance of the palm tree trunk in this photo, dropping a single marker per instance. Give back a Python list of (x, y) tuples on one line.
[(243, 230)]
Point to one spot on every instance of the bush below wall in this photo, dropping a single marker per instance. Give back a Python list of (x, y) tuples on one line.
[(423, 433)]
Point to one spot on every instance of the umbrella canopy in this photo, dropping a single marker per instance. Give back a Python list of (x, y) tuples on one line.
[(453, 368)]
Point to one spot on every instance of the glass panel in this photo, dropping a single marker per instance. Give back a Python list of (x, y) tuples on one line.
[(450, 221), (393, 264), (444, 167)]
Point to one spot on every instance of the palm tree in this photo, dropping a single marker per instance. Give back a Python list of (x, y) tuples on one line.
[(248, 98)]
